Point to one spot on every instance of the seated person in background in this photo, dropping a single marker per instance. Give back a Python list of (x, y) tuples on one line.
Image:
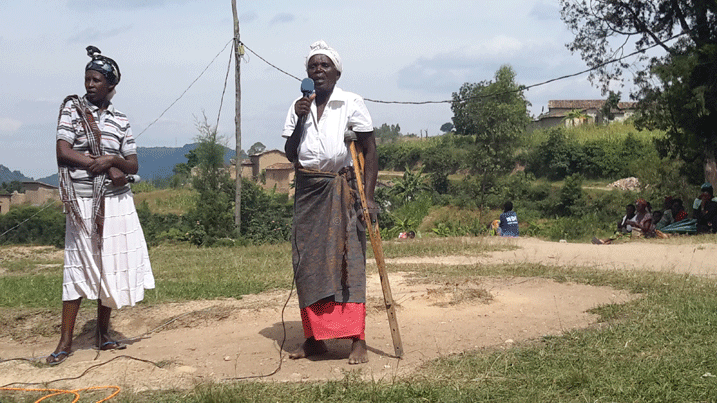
[(407, 235), (678, 210), (667, 217), (508, 221), (656, 218), (622, 225), (494, 227), (642, 221), (706, 187), (706, 213)]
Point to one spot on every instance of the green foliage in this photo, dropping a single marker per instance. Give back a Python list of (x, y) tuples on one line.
[(265, 216), (158, 227), (400, 154), (447, 127), (44, 226), (495, 113), (213, 211), (9, 187), (561, 154), (678, 89), (405, 218), (143, 187), (387, 133), (410, 185), (256, 148), (571, 200)]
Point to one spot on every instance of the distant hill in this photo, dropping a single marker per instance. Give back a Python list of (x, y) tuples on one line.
[(8, 176), (50, 180), (158, 162)]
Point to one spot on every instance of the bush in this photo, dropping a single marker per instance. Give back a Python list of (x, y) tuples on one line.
[(561, 155), (33, 225), (265, 216)]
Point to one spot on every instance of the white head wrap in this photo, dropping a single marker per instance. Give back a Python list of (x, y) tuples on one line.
[(321, 48)]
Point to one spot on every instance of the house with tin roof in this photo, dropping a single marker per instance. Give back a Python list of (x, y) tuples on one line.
[(575, 112)]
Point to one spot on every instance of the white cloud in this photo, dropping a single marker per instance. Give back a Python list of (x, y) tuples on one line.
[(8, 125)]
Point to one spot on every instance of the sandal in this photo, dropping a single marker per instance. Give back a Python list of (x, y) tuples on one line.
[(112, 345), (58, 358)]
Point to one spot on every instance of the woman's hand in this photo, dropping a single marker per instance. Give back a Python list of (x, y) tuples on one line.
[(101, 164), (303, 106), (117, 177)]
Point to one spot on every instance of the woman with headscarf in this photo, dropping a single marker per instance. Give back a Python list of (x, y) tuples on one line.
[(105, 251), (328, 236)]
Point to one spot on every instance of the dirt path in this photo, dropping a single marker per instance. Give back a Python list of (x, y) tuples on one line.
[(214, 340)]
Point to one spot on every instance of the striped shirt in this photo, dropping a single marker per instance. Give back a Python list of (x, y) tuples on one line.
[(116, 140)]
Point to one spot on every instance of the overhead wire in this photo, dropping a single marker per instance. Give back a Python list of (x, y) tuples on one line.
[(185, 91)]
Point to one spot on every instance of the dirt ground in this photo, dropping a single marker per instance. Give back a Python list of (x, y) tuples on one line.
[(221, 339)]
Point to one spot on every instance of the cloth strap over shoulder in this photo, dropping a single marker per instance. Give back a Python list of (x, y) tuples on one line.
[(67, 190)]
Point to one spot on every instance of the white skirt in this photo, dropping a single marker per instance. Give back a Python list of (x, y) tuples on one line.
[(124, 263)]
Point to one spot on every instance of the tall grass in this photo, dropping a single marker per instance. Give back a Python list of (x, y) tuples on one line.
[(613, 133)]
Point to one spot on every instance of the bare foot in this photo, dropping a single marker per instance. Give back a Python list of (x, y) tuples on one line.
[(359, 353), (310, 347)]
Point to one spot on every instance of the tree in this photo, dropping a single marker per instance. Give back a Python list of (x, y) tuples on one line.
[(213, 211), (677, 89), (446, 127), (495, 113), (387, 133), (611, 103), (9, 187), (256, 148)]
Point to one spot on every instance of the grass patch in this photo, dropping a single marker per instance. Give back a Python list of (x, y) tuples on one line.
[(185, 272), (167, 201)]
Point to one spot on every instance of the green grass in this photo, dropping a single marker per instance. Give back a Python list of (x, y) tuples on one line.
[(612, 133), (184, 272), (658, 348), (167, 201)]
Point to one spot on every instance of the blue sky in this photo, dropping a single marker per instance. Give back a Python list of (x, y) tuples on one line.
[(391, 50)]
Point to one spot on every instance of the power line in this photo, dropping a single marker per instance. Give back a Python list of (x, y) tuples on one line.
[(226, 78), (265, 61), (520, 89), (185, 91), (48, 205)]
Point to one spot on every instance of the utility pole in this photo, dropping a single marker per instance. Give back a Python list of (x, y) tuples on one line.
[(237, 118)]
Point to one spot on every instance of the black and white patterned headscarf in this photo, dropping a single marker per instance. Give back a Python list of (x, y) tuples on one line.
[(104, 65)]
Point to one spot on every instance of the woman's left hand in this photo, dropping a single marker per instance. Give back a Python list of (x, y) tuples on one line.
[(101, 164)]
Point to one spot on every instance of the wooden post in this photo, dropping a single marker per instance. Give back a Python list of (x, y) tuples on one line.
[(237, 118), (375, 237)]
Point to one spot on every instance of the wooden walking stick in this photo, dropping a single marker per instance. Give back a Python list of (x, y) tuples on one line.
[(375, 237)]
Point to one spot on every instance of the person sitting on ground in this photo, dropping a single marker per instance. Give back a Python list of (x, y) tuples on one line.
[(698, 200), (706, 214), (656, 218), (508, 221), (407, 235), (667, 217), (678, 210), (642, 221), (622, 225)]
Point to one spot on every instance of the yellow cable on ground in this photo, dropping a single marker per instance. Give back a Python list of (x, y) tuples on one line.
[(75, 392)]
